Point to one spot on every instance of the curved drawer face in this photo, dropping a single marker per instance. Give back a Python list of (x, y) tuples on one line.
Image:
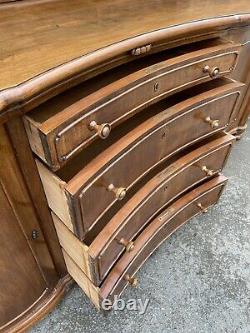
[(157, 231), (125, 162), (183, 174), (65, 133), (96, 260)]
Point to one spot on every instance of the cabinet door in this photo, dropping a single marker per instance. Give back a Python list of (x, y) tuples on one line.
[(29, 280), (21, 281)]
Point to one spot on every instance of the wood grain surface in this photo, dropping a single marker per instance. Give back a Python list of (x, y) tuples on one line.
[(96, 257), (148, 241), (45, 34), (49, 46), (159, 230), (60, 128)]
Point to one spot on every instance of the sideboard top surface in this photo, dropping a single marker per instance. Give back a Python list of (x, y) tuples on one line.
[(48, 46), (36, 36)]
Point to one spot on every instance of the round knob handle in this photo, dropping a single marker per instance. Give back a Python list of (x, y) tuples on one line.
[(213, 123), (133, 281), (102, 130), (213, 72), (207, 171), (202, 208), (120, 192), (129, 245)]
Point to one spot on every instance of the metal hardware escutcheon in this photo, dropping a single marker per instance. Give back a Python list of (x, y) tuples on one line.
[(34, 234), (156, 86), (141, 50)]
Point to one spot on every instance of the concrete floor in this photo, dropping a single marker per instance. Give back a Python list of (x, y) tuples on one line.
[(198, 281)]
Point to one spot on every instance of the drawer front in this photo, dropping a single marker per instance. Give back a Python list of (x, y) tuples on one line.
[(65, 134), (125, 103), (186, 172), (157, 231), (124, 163)]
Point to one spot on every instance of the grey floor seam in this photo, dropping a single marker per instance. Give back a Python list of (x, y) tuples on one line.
[(197, 281)]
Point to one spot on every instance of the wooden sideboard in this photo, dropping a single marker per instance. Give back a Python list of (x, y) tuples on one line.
[(116, 120)]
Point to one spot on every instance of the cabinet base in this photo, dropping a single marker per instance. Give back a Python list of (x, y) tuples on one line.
[(46, 303)]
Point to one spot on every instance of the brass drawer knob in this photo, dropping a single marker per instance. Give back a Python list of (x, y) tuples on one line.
[(133, 281), (207, 171), (120, 192), (213, 72), (102, 130), (213, 123), (129, 245), (202, 208)]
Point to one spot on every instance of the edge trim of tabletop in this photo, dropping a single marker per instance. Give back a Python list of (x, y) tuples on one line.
[(29, 94)]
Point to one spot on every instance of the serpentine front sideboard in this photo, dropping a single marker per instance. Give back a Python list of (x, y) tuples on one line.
[(116, 120)]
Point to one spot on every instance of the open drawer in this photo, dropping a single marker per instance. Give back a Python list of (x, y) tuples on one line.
[(72, 196), (63, 126), (123, 273), (97, 257)]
